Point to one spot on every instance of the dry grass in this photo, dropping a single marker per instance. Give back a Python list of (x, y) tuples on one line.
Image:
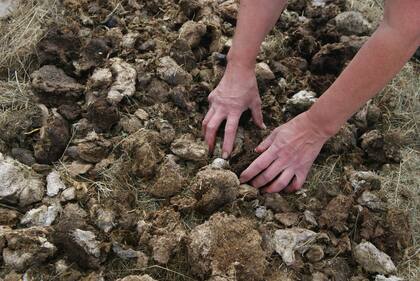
[(20, 33)]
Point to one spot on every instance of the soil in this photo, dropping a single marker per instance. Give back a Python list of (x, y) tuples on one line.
[(123, 92)]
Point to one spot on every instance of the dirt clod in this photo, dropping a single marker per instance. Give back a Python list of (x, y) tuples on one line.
[(373, 260)]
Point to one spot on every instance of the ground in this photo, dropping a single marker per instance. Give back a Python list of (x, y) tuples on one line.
[(104, 175)]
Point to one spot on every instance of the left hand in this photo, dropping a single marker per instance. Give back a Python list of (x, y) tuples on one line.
[(287, 156)]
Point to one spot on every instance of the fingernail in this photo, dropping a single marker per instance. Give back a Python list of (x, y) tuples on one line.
[(264, 126), (225, 155)]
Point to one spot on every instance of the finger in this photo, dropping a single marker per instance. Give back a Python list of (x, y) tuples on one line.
[(212, 128), (296, 184), (265, 144), (206, 120), (257, 115), (281, 182), (269, 174), (262, 162), (230, 134)]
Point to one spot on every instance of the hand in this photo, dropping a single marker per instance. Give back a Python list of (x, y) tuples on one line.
[(287, 153), (236, 92)]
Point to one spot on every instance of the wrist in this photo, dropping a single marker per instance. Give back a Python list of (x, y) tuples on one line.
[(238, 62), (322, 126)]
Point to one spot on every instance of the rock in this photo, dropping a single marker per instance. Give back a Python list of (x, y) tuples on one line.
[(229, 10), (54, 184), (300, 102), (170, 179), (367, 117), (137, 278), (310, 217), (287, 219), (144, 152), (68, 195), (70, 112), (372, 201), (315, 253), (89, 246), (192, 32), (100, 79), (53, 139), (172, 73), (129, 40), (352, 22), (263, 72), (220, 163), (186, 148), (126, 253), (77, 168), (93, 148), (363, 180), (214, 188), (141, 114), (130, 125), (331, 58), (390, 278), (336, 213), (102, 114), (277, 203), (287, 241), (125, 81), (8, 217), (26, 247), (24, 156), (373, 260), (224, 244), (261, 212), (18, 183), (247, 192), (163, 235), (381, 148), (7, 7), (54, 87), (342, 142), (105, 220), (166, 131), (42, 216)]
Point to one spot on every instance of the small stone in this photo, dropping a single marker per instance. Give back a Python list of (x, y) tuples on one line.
[(287, 241), (105, 220), (137, 278), (24, 156), (372, 201), (263, 72), (54, 184), (352, 22), (186, 148), (220, 163), (277, 203), (101, 78), (87, 240), (310, 217), (18, 183), (287, 219), (300, 102), (373, 260), (125, 81), (390, 278), (129, 40), (364, 180), (315, 253), (261, 212), (77, 168), (141, 114), (172, 73), (214, 188), (192, 32), (125, 253), (171, 179), (42, 216), (68, 194)]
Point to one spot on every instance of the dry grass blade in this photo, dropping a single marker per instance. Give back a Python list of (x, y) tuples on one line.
[(20, 33)]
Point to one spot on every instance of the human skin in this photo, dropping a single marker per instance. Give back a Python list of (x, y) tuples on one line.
[(288, 153)]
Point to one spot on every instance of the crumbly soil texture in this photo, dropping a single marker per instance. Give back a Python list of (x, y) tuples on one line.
[(108, 177)]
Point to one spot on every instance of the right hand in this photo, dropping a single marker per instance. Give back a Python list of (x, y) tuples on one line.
[(236, 92)]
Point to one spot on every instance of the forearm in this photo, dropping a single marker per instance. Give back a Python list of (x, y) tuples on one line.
[(255, 20), (377, 62)]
